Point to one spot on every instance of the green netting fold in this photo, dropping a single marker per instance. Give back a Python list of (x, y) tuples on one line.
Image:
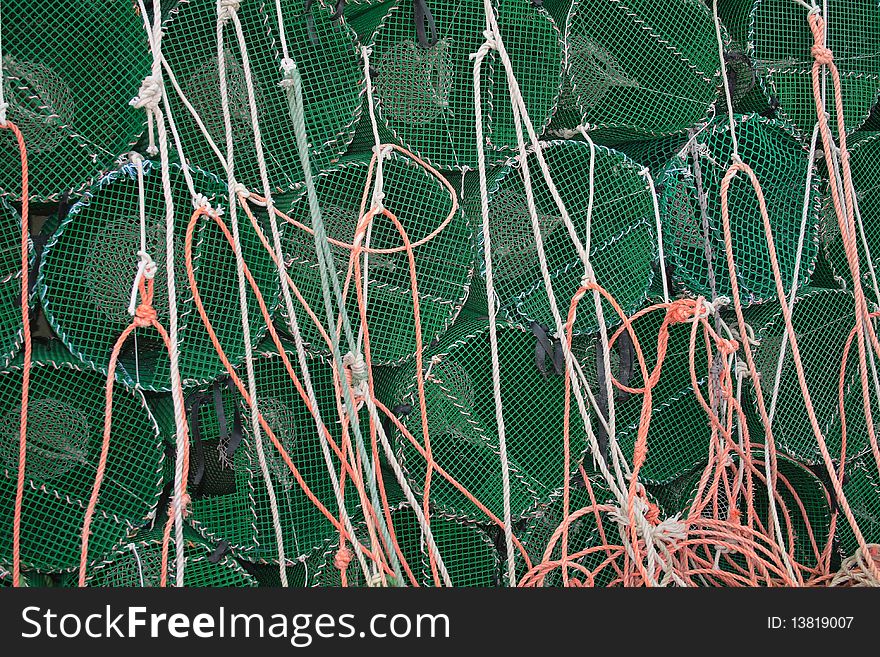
[(780, 43), (11, 332), (623, 241), (327, 54), (65, 431), (862, 490), (638, 69), (231, 502), (444, 264), (69, 71), (693, 234), (90, 263), (822, 321), (425, 89), (462, 426), (137, 562), (466, 549), (864, 162)]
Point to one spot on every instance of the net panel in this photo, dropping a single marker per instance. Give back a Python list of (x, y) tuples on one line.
[(462, 425), (138, 563), (641, 69), (862, 491), (426, 93), (467, 551), (73, 111), (822, 320), (90, 263), (11, 334), (864, 160), (444, 264), (65, 430), (623, 245), (232, 502), (770, 150), (325, 51), (781, 42)]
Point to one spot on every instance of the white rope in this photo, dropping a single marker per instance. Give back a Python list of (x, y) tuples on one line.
[(226, 11), (770, 476), (646, 173), (140, 566)]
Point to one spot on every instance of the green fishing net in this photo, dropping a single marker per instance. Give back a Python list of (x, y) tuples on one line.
[(11, 334), (780, 44), (462, 426), (89, 266), (231, 502), (444, 264), (324, 49), (864, 161), (424, 83), (638, 69), (692, 222), (65, 431), (822, 321), (69, 71), (467, 551), (862, 490), (623, 241), (137, 562)]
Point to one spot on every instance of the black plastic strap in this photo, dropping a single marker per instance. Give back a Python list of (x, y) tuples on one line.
[(221, 549), (192, 405), (310, 24), (545, 347), (339, 11), (233, 440), (627, 356), (426, 28)]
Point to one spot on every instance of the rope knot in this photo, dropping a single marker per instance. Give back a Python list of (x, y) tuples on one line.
[(822, 54), (288, 66), (241, 190), (681, 310), (342, 558), (489, 44), (226, 9), (149, 94), (201, 202), (727, 347), (145, 315)]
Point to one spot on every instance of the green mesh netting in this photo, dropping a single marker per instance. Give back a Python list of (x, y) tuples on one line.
[(462, 424), (138, 563), (638, 69), (822, 321), (267, 574), (69, 71), (623, 234), (864, 161), (425, 92), (583, 533), (10, 282), (90, 263), (232, 502), (800, 496), (326, 52), (65, 431), (780, 40), (862, 490), (444, 264), (467, 551), (364, 16), (767, 146)]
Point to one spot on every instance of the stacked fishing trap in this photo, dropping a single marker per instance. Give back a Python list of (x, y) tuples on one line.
[(474, 293)]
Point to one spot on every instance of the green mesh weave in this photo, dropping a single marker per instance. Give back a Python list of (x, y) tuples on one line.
[(640, 68), (775, 156), (69, 70), (862, 491), (11, 335), (864, 161), (324, 50), (780, 42), (462, 425), (444, 264), (90, 263), (822, 321), (467, 552), (65, 430), (138, 563), (364, 16), (426, 95), (233, 504), (623, 234)]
